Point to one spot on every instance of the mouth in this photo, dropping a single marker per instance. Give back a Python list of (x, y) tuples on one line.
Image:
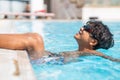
[(80, 32)]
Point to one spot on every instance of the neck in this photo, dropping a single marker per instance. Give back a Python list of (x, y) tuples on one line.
[(84, 47)]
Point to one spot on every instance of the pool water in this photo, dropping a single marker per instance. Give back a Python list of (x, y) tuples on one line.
[(58, 37)]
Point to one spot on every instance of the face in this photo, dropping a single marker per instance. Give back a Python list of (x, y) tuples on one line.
[(83, 35)]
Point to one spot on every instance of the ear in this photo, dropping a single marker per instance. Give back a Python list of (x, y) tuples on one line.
[(93, 42)]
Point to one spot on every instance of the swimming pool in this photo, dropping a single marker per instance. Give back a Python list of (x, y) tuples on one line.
[(58, 37)]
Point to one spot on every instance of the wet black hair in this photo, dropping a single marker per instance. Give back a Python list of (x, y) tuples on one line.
[(102, 34)]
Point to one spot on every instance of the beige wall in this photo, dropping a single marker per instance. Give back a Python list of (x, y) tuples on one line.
[(64, 9), (101, 13)]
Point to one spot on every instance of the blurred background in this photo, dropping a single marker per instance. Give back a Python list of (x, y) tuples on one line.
[(57, 21), (59, 9)]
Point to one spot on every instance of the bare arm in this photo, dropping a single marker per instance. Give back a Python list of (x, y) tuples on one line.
[(73, 55), (105, 56)]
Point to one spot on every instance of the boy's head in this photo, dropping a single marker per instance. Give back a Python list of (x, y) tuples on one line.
[(101, 33)]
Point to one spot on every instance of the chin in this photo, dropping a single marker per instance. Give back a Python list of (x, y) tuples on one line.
[(75, 36)]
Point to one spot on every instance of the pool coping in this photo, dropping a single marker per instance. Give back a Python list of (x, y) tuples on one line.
[(15, 65)]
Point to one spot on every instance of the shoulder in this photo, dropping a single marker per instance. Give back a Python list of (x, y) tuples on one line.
[(33, 36), (70, 53), (90, 52), (35, 40)]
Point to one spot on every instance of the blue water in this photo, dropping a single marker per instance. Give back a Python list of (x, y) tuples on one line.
[(58, 37)]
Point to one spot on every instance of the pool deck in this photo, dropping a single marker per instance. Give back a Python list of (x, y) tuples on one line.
[(15, 65)]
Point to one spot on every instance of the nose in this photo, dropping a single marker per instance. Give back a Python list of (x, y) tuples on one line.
[(81, 30)]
